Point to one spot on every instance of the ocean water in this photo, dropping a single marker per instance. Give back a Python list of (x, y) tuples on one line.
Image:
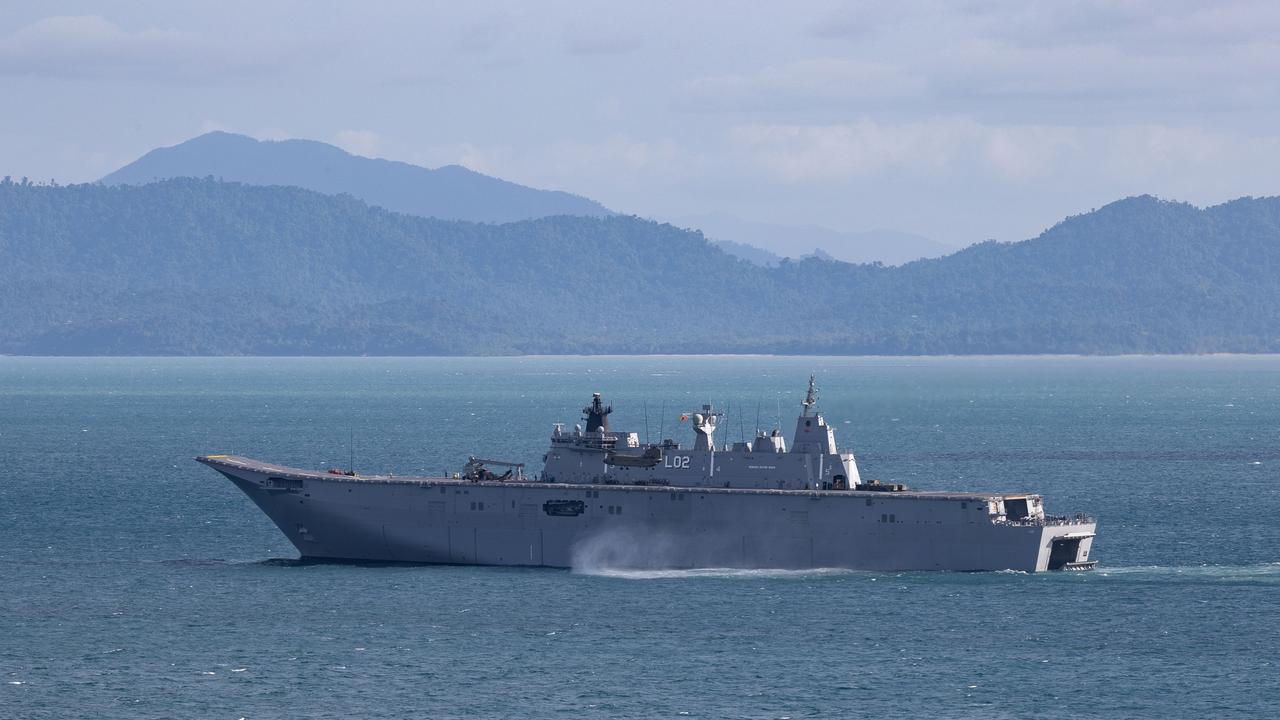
[(135, 583)]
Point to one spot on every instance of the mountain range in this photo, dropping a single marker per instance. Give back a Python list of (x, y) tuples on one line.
[(201, 266), (451, 192)]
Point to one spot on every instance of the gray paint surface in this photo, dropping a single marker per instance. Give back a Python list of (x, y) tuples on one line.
[(606, 500)]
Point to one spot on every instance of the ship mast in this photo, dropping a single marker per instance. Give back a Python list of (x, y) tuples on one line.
[(597, 414), (810, 398)]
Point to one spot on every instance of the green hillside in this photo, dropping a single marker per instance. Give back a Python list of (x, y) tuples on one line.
[(192, 266)]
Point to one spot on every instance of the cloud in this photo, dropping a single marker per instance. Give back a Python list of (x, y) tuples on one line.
[(960, 147), (1046, 62), (862, 20), (620, 162), (91, 47), (596, 41), (1132, 23), (797, 153), (358, 142), (1025, 152), (817, 82), (619, 153), (1138, 25), (1098, 81), (481, 36)]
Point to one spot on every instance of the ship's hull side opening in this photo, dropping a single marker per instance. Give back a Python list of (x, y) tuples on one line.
[(1065, 555)]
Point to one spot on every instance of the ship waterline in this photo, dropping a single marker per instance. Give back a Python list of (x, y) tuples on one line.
[(606, 500)]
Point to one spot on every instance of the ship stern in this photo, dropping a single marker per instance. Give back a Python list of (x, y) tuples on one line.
[(1066, 546)]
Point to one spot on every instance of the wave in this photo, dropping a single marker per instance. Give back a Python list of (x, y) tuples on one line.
[(1262, 572), (731, 573)]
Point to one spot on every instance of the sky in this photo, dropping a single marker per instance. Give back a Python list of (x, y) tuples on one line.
[(960, 121)]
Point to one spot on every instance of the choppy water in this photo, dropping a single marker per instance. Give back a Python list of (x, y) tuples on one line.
[(138, 584)]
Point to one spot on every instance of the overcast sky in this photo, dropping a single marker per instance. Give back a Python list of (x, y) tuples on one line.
[(957, 120)]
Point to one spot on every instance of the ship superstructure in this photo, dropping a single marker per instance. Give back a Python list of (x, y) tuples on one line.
[(604, 497), (597, 455)]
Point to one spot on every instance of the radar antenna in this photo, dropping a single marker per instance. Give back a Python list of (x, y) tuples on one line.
[(704, 427), (810, 398)]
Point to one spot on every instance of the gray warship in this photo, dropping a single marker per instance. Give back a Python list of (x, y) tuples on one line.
[(604, 499)]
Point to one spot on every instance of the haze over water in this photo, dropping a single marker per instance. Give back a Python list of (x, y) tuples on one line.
[(140, 584)]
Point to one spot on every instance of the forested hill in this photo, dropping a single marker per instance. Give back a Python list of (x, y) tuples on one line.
[(451, 192), (203, 267)]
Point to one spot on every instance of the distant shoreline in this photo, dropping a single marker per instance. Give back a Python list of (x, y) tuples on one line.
[(672, 356)]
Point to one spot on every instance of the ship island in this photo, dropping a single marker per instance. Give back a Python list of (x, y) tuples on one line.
[(606, 499)]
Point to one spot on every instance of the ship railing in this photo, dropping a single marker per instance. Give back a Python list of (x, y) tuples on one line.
[(1048, 520)]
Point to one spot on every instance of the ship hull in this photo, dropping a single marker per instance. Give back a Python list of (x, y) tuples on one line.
[(447, 521)]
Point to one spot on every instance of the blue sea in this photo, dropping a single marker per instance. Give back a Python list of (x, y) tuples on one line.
[(135, 583)]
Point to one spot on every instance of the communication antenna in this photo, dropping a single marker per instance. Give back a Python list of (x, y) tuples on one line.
[(662, 416), (727, 406), (742, 428), (757, 414), (646, 422), (351, 451)]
